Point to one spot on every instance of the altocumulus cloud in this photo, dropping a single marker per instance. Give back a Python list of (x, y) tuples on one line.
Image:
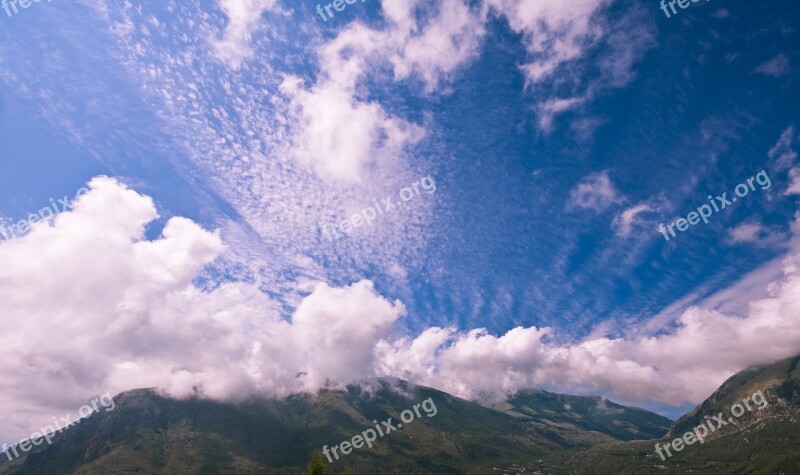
[(89, 305), (339, 134), (233, 47)]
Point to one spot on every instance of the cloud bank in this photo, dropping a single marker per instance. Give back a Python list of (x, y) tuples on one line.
[(89, 305)]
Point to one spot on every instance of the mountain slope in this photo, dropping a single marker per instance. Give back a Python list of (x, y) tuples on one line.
[(759, 441), (534, 431), (147, 434), (592, 413)]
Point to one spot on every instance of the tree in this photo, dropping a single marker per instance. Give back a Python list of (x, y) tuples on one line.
[(316, 465)]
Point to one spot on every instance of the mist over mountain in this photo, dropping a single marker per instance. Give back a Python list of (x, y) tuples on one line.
[(399, 236), (533, 431)]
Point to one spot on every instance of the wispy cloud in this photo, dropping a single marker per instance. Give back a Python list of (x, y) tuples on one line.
[(783, 157), (776, 67), (595, 192), (757, 234), (625, 221)]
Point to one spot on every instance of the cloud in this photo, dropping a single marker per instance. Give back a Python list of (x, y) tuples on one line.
[(548, 110), (757, 234), (341, 135), (794, 182), (625, 221), (338, 133), (554, 32), (682, 365), (595, 192), (722, 13), (558, 34), (156, 328), (448, 39), (243, 17), (776, 67), (782, 155), (89, 305)]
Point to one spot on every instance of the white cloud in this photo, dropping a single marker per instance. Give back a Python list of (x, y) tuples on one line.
[(93, 270), (757, 234), (339, 137), (549, 109), (595, 192), (794, 182), (558, 34), (683, 365), (88, 305), (338, 133), (776, 67), (782, 155), (447, 40), (625, 221), (554, 31), (243, 20)]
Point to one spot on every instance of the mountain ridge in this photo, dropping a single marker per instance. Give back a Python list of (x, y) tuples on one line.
[(532, 431), (150, 433)]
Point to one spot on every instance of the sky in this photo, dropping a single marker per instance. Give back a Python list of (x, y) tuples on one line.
[(472, 195)]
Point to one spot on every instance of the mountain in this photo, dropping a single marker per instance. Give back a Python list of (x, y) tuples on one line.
[(532, 432), (761, 440), (147, 433), (593, 414)]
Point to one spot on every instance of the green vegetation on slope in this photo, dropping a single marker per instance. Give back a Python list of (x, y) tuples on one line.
[(593, 414), (759, 442), (151, 434), (535, 431)]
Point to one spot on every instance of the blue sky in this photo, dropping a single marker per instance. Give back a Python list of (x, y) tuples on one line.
[(559, 137)]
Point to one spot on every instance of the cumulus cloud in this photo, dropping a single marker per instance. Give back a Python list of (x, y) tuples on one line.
[(338, 137), (595, 192), (554, 32), (340, 134), (683, 365), (89, 305), (243, 20)]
